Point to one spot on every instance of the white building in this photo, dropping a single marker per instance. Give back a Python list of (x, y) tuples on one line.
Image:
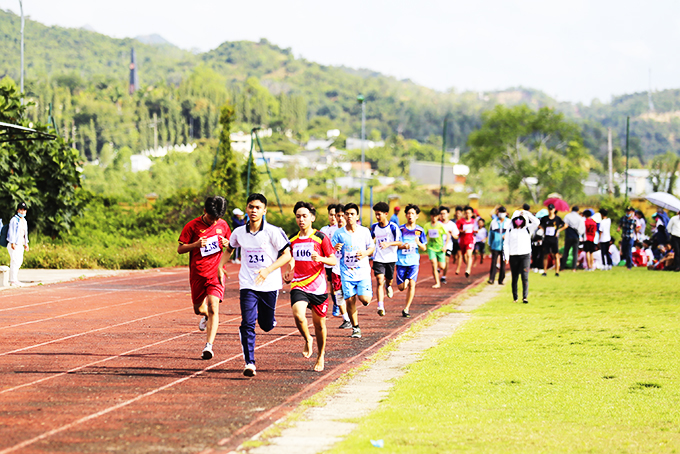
[(241, 141), (355, 144), (430, 173)]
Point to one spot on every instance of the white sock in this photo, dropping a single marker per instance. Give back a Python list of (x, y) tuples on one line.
[(208, 344), (381, 305), (345, 317)]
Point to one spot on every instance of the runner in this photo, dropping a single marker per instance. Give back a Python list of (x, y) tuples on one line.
[(387, 238), (355, 244), (452, 243), (265, 249), (480, 239), (436, 239), (329, 230), (552, 226), (204, 237), (312, 250), (408, 258), (457, 254), (466, 225), (336, 281)]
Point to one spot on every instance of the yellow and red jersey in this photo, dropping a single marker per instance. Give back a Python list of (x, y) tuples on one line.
[(309, 276)]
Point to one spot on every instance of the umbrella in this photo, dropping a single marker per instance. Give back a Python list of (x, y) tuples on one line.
[(560, 205), (541, 213), (597, 217), (664, 200)]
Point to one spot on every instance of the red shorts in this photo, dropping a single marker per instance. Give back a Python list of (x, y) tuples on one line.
[(203, 286), (466, 245), (336, 282)]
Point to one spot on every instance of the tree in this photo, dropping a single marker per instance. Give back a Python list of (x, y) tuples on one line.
[(523, 143), (663, 172), (225, 179), (44, 174)]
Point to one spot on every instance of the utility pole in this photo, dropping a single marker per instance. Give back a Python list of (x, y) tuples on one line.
[(154, 125), (360, 98), (21, 7), (627, 151), (441, 174), (610, 161)]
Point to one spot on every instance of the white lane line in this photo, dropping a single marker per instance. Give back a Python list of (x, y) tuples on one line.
[(131, 401), (75, 369)]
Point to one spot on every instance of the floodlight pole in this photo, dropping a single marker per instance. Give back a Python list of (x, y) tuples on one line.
[(21, 7), (360, 98)]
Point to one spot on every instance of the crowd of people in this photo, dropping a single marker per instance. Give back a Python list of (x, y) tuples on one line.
[(333, 265)]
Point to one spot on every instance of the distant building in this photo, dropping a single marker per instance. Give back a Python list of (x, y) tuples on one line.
[(355, 144), (430, 173), (241, 141)]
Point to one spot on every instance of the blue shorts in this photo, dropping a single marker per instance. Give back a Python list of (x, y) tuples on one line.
[(407, 272), (351, 288)]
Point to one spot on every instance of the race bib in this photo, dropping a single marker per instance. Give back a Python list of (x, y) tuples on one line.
[(550, 231), (412, 250), (211, 247), (434, 233), (302, 252), (468, 228), (351, 260), (379, 240), (254, 258)]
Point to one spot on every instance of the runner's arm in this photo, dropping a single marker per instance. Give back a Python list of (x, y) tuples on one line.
[(284, 258), (184, 248)]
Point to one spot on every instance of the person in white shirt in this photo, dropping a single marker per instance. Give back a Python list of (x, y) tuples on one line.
[(17, 243), (387, 237), (517, 250), (605, 239), (264, 250), (452, 242), (576, 228)]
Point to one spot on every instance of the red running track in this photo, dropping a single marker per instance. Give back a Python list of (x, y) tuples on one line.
[(113, 364)]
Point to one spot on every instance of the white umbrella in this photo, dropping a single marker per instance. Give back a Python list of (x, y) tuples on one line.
[(664, 200)]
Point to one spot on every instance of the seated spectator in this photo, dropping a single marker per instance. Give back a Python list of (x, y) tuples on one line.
[(639, 255), (667, 258)]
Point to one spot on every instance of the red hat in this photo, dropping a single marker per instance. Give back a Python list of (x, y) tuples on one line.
[(397, 208)]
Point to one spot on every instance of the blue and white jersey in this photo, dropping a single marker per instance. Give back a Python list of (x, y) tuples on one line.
[(388, 234), (410, 256), (351, 268)]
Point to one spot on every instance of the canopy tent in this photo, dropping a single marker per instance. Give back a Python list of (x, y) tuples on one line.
[(16, 133)]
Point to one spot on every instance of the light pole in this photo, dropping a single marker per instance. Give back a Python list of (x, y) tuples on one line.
[(360, 99), (441, 173), (21, 7)]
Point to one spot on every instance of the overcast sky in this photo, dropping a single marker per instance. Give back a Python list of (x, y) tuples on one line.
[(574, 51)]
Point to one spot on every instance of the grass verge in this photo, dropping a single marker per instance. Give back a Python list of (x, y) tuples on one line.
[(590, 365)]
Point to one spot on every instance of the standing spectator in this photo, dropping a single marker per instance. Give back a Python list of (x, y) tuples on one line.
[(674, 231), (664, 217), (605, 239), (517, 248), (627, 229), (497, 232), (17, 243), (395, 216), (237, 220), (589, 246), (552, 226), (640, 226), (575, 228)]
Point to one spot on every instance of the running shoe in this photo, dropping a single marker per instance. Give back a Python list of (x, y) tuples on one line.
[(346, 324), (525, 301), (249, 370), (381, 311), (490, 282), (557, 274), (544, 274), (356, 333), (208, 351), (443, 278), (405, 314), (467, 275), (336, 310), (203, 324), (390, 292)]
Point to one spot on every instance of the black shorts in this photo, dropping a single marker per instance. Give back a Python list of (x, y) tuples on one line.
[(317, 303), (386, 269), (479, 247), (454, 249), (551, 246), (589, 246)]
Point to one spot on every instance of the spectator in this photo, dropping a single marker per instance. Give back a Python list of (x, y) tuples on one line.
[(589, 246), (517, 249), (663, 216), (552, 226), (497, 232), (395, 216), (605, 239), (639, 255), (575, 228), (17, 243), (640, 226), (674, 230), (627, 228)]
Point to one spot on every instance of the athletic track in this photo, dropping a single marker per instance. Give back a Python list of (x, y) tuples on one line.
[(113, 364)]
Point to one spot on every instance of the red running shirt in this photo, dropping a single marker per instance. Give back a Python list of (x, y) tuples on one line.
[(467, 230), (309, 276), (205, 261), (591, 229)]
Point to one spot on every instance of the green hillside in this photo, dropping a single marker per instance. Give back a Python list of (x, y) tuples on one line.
[(84, 75)]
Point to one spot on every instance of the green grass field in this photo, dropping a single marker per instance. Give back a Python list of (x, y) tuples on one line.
[(591, 364)]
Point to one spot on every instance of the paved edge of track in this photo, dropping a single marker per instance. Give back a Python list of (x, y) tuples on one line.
[(273, 415)]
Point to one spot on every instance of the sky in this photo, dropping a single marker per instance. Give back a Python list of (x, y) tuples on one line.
[(574, 51)]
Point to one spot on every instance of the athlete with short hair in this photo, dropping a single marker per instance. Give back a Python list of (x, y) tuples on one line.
[(265, 249), (436, 239), (355, 244), (204, 238), (408, 259), (311, 250), (336, 281), (329, 230), (466, 240), (387, 238), (452, 241), (457, 254)]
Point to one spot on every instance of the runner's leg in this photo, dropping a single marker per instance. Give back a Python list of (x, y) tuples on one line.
[(352, 310), (300, 315), (320, 333), (435, 272), (380, 279), (213, 306), (248, 303), (411, 293)]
